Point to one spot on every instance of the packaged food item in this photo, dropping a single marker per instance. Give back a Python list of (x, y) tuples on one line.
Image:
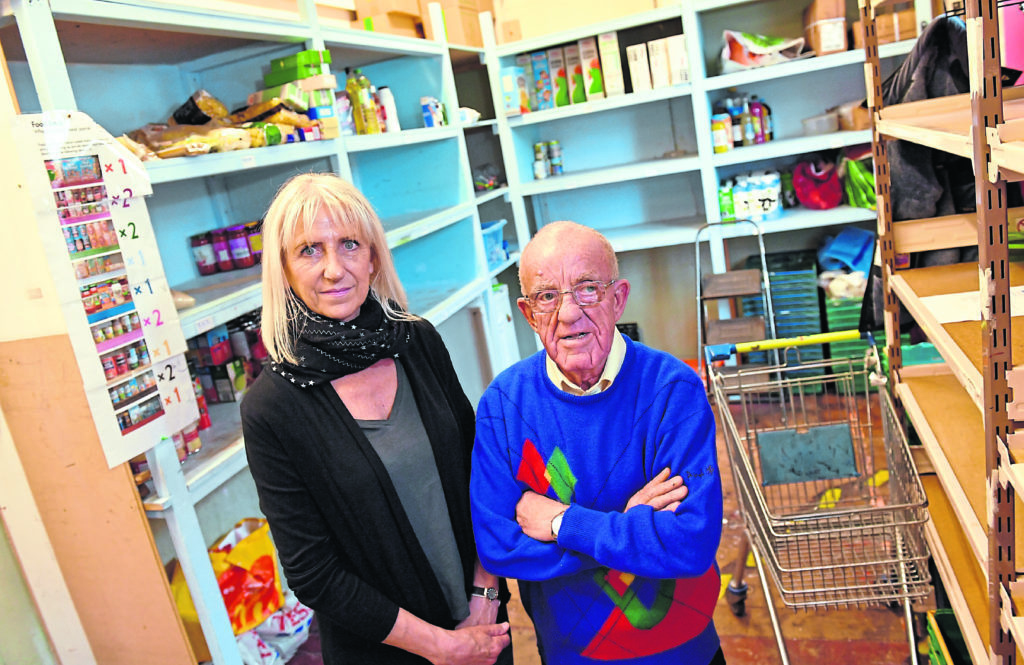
[(199, 109), (202, 252)]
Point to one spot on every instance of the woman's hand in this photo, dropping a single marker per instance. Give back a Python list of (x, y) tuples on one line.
[(475, 645), (481, 612), (662, 493)]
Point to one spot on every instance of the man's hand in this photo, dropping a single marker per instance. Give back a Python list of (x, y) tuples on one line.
[(662, 493), (534, 513)]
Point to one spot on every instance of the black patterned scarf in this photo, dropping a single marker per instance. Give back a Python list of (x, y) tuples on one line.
[(327, 349)]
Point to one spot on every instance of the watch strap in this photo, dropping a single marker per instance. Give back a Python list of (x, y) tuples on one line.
[(490, 593)]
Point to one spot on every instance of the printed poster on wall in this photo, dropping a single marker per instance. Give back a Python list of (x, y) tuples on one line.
[(91, 212)]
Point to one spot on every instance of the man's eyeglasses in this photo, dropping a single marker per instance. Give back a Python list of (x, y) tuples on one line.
[(584, 294)]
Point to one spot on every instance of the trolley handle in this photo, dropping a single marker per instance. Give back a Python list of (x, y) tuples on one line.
[(713, 352)]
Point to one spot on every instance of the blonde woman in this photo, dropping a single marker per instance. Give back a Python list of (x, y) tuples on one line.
[(358, 436)]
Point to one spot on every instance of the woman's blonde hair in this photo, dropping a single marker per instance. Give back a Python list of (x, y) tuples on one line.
[(296, 207)]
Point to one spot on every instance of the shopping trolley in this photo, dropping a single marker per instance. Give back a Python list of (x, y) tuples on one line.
[(831, 527)]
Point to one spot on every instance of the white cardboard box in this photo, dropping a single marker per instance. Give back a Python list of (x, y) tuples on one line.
[(657, 55), (678, 64), (611, 63), (639, 69)]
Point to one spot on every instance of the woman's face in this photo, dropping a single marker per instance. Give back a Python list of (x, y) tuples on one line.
[(329, 268)]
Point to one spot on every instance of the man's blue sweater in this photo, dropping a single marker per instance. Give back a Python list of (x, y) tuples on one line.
[(637, 586)]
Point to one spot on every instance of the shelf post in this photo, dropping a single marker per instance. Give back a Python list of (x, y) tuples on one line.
[(993, 254), (45, 58)]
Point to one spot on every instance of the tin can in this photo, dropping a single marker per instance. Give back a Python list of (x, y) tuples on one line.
[(721, 132), (540, 169), (554, 149), (540, 150), (556, 165)]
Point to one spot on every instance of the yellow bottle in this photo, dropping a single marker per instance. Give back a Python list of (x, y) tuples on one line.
[(352, 89), (368, 106)]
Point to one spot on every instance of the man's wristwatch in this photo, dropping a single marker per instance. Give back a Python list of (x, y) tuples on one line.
[(556, 524), (490, 593)]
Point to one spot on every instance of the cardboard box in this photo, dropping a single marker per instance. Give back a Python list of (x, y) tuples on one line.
[(657, 57), (559, 76), (639, 69), (542, 81), (403, 25), (825, 26), (540, 18), (366, 8), (514, 96), (824, 37), (302, 58), (335, 17), (678, 61), (593, 78), (289, 93), (890, 28), (574, 69), (611, 63), (277, 77), (526, 62), (510, 31), (318, 82), (463, 27)]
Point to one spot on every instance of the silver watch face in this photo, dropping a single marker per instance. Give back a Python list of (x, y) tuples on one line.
[(490, 593)]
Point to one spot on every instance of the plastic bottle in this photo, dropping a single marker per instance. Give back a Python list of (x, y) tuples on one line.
[(369, 109), (353, 91), (735, 111), (378, 109), (747, 123), (766, 120), (757, 111), (387, 100)]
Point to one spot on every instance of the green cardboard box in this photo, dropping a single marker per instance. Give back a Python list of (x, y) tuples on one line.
[(309, 57), (278, 77)]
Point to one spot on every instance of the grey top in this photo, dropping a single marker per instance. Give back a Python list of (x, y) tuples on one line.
[(401, 442)]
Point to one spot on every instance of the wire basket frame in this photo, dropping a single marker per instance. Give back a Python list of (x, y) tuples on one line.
[(834, 529)]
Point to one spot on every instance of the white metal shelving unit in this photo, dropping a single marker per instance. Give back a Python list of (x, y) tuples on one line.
[(647, 189)]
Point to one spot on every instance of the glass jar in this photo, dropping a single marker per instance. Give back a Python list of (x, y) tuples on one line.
[(202, 252), (238, 240), (255, 234), (222, 250)]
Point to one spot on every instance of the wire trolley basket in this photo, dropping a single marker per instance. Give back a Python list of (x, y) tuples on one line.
[(836, 526)]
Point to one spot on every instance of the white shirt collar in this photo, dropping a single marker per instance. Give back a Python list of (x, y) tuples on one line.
[(612, 365)]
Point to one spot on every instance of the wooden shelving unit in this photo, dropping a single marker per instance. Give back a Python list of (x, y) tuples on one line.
[(962, 409)]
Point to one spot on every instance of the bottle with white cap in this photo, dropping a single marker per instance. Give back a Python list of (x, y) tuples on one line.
[(387, 100)]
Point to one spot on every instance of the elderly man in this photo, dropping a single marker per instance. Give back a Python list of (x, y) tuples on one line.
[(578, 465)]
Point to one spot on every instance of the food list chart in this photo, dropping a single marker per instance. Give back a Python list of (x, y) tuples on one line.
[(92, 218)]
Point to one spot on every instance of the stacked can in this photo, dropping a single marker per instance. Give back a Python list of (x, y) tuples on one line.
[(555, 157), (540, 160)]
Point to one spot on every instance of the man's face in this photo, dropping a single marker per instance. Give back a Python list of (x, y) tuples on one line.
[(578, 339)]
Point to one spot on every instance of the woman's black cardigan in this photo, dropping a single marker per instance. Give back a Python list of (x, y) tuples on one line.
[(346, 546)]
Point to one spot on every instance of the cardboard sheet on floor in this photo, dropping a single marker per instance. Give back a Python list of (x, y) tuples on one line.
[(824, 452)]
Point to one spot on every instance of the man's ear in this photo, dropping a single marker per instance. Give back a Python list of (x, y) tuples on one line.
[(620, 293), (524, 307)]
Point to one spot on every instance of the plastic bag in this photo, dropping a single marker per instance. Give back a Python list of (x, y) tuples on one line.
[(245, 563), (286, 629), (817, 185), (744, 50), (255, 651)]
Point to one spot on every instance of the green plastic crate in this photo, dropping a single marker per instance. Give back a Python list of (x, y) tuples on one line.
[(946, 644)]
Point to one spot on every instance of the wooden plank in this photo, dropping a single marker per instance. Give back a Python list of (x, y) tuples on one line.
[(966, 372), (954, 443), (919, 235), (92, 513), (965, 586)]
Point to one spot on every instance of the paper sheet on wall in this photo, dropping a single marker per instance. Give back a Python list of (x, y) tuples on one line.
[(954, 307), (88, 193)]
